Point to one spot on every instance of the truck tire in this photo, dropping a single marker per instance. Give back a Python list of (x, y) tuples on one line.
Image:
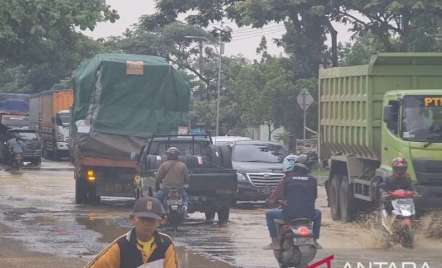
[(335, 189), (223, 214), (214, 154), (152, 162), (346, 201), (80, 190), (226, 156), (209, 216), (92, 197), (192, 161), (183, 159)]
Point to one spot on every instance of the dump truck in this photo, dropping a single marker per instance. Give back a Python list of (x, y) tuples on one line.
[(120, 100), (49, 114), (371, 114)]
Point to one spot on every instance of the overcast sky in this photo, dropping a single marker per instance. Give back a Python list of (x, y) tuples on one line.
[(245, 40)]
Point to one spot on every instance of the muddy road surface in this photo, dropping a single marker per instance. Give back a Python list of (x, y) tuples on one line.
[(41, 226)]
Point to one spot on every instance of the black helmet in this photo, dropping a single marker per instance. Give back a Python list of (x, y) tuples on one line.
[(172, 153), (303, 162)]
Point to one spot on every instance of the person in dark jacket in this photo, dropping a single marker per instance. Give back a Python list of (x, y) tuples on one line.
[(143, 246), (400, 180), (299, 190)]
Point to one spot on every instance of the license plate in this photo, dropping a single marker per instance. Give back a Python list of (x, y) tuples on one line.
[(304, 240), (174, 202), (266, 190), (197, 199), (119, 188)]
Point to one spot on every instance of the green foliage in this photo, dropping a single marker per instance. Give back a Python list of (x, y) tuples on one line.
[(33, 77), (31, 31)]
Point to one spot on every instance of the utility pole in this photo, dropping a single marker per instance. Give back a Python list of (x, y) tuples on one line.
[(221, 51)]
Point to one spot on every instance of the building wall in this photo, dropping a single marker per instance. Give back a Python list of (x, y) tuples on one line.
[(262, 134)]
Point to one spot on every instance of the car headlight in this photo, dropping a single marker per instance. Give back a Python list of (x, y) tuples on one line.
[(241, 177)]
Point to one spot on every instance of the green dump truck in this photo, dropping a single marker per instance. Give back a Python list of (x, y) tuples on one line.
[(372, 113), (119, 101)]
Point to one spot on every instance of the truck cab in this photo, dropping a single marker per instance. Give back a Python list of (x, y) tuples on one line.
[(15, 121), (62, 121), (413, 130)]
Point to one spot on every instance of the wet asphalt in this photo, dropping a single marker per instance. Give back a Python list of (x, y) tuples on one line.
[(37, 206)]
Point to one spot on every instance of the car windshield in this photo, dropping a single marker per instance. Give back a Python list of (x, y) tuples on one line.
[(422, 118), (15, 122), (28, 136), (264, 153)]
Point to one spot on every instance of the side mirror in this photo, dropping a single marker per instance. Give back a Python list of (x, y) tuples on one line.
[(134, 156), (388, 114)]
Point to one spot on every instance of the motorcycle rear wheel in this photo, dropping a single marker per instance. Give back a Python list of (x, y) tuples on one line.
[(407, 240)]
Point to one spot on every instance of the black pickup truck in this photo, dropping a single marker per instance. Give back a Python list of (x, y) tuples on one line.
[(213, 181)]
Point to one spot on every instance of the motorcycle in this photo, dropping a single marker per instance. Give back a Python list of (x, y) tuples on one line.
[(16, 160), (399, 228), (297, 243), (175, 209)]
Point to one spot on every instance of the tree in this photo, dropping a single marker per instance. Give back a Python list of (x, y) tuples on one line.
[(57, 70), (397, 24), (306, 22), (31, 30)]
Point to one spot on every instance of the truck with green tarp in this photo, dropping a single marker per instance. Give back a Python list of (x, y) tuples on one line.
[(371, 114), (119, 101)]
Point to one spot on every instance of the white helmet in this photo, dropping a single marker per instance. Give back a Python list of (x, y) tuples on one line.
[(288, 165)]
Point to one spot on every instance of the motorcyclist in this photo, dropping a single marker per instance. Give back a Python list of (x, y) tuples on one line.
[(14, 145), (400, 180), (173, 174), (299, 190)]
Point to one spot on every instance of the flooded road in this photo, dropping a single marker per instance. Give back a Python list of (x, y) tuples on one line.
[(38, 211)]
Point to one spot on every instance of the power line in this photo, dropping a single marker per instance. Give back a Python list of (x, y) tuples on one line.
[(259, 35), (259, 29), (259, 32)]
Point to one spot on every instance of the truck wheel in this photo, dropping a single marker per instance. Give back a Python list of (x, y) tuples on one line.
[(56, 154), (192, 161), (335, 189), (183, 158), (346, 201), (80, 190), (210, 216), (36, 162), (92, 197), (214, 154), (223, 214), (226, 157)]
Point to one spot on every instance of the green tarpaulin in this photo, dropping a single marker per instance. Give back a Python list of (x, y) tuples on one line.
[(130, 104), (126, 98)]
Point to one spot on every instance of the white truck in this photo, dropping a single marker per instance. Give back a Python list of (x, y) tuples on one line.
[(49, 114)]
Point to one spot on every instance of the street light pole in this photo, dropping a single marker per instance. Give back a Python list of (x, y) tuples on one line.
[(219, 85)]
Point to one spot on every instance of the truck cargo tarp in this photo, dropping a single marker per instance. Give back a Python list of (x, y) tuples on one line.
[(14, 103), (124, 99)]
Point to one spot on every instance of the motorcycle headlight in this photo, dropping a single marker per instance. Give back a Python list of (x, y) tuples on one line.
[(241, 177)]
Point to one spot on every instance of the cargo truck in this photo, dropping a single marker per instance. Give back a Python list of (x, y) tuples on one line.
[(119, 101), (14, 110), (371, 114), (50, 116)]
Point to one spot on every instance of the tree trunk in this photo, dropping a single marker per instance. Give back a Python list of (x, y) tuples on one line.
[(334, 41)]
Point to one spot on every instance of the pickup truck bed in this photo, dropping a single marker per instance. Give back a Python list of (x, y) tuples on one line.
[(213, 183)]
